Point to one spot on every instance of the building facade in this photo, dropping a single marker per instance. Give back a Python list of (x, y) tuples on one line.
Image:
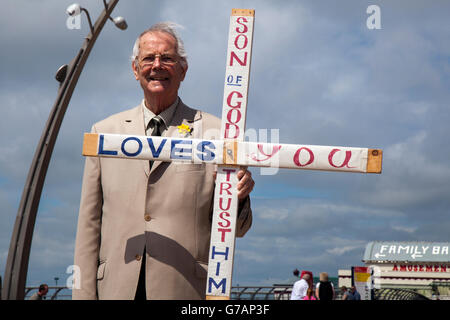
[(423, 267)]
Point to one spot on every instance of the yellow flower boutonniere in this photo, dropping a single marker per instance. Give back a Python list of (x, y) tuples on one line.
[(184, 128)]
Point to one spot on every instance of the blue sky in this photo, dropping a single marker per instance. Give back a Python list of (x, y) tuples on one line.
[(319, 75)]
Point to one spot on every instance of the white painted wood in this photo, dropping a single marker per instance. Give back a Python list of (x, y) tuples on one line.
[(223, 229), (234, 111), (237, 75), (253, 154)]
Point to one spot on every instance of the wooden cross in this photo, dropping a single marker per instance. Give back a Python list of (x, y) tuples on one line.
[(231, 152)]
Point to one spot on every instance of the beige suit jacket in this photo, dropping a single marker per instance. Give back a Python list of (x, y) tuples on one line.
[(125, 207)]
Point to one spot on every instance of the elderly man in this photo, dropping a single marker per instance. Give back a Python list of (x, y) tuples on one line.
[(144, 227)]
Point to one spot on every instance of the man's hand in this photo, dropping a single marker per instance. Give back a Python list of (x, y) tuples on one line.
[(245, 184)]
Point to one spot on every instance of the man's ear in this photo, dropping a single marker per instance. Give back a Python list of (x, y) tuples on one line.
[(184, 67), (135, 69)]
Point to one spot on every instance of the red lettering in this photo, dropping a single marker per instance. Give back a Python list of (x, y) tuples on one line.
[(229, 128), (420, 268), (230, 114), (223, 233), (228, 205), (225, 189), (228, 223), (232, 124), (229, 172), (348, 155), (245, 26), (230, 96), (297, 157), (233, 56), (275, 149), (236, 41)]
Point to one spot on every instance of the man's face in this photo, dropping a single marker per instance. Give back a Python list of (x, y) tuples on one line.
[(158, 67)]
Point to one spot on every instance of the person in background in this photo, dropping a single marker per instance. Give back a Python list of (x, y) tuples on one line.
[(345, 293), (354, 294), (325, 288), (309, 295), (40, 295), (310, 281), (300, 288)]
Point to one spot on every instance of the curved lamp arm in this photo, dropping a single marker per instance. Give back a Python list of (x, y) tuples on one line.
[(19, 251)]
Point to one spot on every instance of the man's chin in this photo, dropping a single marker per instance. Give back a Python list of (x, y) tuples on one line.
[(158, 87), (158, 83)]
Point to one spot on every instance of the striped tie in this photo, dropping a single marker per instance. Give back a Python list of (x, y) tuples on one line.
[(156, 122)]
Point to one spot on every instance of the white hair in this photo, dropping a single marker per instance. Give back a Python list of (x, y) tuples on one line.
[(167, 27)]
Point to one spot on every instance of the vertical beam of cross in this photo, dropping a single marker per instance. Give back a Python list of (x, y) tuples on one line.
[(223, 229)]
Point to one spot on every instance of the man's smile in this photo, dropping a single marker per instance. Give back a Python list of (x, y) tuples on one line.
[(158, 78)]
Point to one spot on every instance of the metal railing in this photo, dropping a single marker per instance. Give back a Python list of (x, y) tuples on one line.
[(277, 292), (54, 293), (397, 294), (282, 292)]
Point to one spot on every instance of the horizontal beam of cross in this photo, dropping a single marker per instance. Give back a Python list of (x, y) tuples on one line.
[(229, 152)]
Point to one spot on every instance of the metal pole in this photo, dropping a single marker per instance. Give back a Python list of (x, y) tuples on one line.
[(19, 250)]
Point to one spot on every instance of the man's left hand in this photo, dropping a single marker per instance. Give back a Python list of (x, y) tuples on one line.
[(245, 184)]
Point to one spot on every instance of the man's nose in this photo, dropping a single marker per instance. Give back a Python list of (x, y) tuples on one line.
[(157, 62)]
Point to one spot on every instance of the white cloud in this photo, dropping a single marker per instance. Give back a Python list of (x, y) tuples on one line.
[(338, 251), (273, 213), (414, 175), (404, 229)]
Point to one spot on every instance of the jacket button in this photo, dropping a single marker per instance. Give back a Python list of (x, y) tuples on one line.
[(138, 257), (147, 217)]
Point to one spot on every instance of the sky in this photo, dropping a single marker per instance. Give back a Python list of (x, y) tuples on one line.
[(319, 76)]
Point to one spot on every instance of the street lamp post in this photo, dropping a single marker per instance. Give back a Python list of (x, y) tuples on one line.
[(67, 75)]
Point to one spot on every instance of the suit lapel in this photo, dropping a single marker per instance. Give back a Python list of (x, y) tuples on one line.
[(133, 124)]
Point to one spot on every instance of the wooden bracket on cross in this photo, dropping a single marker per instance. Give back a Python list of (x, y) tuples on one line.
[(232, 152)]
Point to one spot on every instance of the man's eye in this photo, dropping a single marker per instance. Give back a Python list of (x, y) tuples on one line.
[(149, 58), (167, 59)]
